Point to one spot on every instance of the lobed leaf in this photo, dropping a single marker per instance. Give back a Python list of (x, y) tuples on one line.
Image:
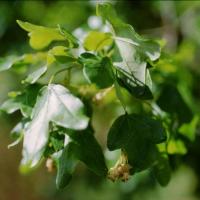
[(135, 52), (54, 104), (138, 136), (95, 68), (96, 41), (41, 37)]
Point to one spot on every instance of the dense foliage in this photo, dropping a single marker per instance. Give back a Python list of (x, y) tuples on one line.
[(114, 64)]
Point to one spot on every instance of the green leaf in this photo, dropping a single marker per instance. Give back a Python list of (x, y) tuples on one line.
[(162, 170), (95, 68), (11, 61), (66, 164), (41, 37), (82, 147), (60, 54), (89, 151), (55, 104), (96, 41), (134, 86), (138, 136), (171, 101), (34, 76), (135, 52), (189, 129), (176, 147), (22, 101)]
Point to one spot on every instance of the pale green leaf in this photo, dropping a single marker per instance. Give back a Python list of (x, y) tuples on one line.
[(189, 129), (176, 147), (96, 41), (34, 76), (41, 37)]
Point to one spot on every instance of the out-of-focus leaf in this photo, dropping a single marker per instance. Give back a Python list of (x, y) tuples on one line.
[(176, 147), (97, 70), (34, 76), (60, 54), (171, 101), (8, 62), (41, 37), (22, 101), (137, 135), (189, 129), (96, 41), (54, 104), (162, 170)]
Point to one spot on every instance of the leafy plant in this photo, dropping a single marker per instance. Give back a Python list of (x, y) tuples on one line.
[(57, 110)]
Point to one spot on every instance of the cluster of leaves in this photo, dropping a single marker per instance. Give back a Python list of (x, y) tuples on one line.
[(56, 117)]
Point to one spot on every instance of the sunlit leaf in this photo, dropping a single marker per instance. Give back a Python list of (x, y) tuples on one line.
[(189, 129), (176, 147), (54, 104), (96, 41), (41, 37), (135, 51)]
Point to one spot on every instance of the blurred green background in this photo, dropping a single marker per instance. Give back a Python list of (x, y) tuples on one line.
[(178, 22)]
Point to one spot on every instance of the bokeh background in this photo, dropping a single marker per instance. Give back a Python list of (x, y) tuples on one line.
[(178, 22)]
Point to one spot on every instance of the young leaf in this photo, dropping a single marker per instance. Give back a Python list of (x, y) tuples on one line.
[(96, 41), (137, 135), (54, 104), (176, 147), (189, 129), (60, 54), (95, 68), (41, 37)]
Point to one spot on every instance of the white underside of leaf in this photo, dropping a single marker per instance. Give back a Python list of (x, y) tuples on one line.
[(55, 104)]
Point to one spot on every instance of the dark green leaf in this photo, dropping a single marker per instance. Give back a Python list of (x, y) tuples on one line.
[(66, 164), (171, 101), (22, 101), (162, 170), (89, 151), (97, 70), (137, 135), (84, 147), (135, 87)]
